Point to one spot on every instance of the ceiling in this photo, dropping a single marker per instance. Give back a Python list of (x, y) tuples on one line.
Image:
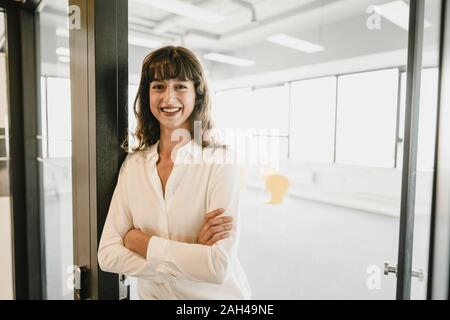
[(246, 21), (337, 25)]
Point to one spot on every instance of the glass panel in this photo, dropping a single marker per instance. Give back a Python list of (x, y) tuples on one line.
[(313, 120), (6, 238), (270, 109), (367, 118), (56, 149), (230, 103), (337, 66), (426, 146)]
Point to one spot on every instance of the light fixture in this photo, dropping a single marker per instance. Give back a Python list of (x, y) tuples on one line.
[(295, 43), (185, 9), (64, 59), (144, 42), (61, 51), (140, 41), (228, 59), (62, 32), (397, 12)]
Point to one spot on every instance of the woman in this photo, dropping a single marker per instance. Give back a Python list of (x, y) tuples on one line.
[(173, 219)]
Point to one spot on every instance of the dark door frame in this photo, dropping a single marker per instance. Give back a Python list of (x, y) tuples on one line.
[(99, 90), (99, 76), (24, 180), (439, 257)]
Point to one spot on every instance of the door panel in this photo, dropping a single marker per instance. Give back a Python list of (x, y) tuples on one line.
[(336, 113), (55, 142)]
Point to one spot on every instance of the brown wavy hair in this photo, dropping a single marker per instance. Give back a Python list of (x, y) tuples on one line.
[(171, 62)]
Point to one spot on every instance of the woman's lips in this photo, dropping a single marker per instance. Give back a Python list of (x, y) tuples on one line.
[(170, 111)]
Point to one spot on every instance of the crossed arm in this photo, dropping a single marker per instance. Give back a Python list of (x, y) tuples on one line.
[(214, 228), (126, 250)]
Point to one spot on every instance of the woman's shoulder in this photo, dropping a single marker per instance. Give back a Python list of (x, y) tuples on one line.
[(218, 155), (135, 158)]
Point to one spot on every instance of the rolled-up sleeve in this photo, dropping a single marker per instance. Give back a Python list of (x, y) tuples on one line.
[(198, 262)]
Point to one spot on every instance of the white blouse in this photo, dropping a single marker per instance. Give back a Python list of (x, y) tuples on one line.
[(176, 267)]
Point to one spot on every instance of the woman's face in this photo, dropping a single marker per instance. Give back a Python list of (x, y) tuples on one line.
[(172, 102)]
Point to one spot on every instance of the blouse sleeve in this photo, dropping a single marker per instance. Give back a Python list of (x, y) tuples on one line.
[(113, 256), (198, 262)]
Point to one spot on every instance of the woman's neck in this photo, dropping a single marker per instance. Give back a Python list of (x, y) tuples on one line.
[(166, 144)]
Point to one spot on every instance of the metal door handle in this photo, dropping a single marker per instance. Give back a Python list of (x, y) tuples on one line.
[(419, 273)]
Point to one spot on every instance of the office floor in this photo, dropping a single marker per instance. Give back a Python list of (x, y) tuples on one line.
[(309, 250)]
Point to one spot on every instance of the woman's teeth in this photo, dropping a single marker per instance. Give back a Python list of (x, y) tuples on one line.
[(171, 110)]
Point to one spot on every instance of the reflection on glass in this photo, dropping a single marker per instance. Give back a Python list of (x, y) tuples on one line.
[(367, 118), (426, 146), (327, 75), (56, 150), (313, 120), (6, 246)]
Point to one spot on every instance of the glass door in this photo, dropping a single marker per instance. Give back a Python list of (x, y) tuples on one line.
[(6, 227), (426, 146), (313, 94), (55, 149)]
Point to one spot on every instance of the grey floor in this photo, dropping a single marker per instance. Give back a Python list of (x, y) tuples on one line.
[(297, 250), (309, 250)]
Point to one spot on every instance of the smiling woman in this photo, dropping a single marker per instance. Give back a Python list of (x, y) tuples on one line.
[(172, 78), (180, 242)]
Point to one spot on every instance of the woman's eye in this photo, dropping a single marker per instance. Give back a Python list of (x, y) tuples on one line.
[(182, 87), (157, 87)]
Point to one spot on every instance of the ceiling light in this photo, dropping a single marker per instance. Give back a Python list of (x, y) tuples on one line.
[(63, 51), (144, 42), (140, 41), (295, 43), (62, 32), (398, 13), (229, 59), (64, 59), (185, 9)]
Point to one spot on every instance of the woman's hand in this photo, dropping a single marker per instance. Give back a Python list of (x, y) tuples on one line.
[(137, 241), (214, 228)]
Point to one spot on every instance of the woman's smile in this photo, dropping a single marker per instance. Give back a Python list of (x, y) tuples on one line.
[(170, 111), (172, 102)]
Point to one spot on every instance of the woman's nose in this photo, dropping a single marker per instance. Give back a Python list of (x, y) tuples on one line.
[(169, 95)]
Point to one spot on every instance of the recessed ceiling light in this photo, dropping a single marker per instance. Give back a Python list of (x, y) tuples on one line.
[(140, 41), (61, 51), (229, 59), (62, 32), (64, 59), (295, 43), (185, 9), (144, 42)]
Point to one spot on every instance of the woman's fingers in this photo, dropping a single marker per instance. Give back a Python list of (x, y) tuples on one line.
[(218, 229), (215, 227), (213, 214), (218, 237), (220, 220), (213, 219)]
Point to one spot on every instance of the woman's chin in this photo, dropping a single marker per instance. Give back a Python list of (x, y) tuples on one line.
[(172, 124)]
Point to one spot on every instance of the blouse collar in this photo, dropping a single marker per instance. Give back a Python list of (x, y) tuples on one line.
[(186, 152)]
